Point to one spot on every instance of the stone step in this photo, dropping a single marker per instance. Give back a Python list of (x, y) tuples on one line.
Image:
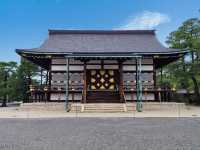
[(103, 111), (75, 109), (98, 107), (119, 109), (114, 107)]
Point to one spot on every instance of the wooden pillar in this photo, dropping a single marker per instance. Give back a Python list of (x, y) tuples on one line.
[(154, 80), (67, 85), (41, 76), (84, 84), (138, 84), (161, 75), (102, 64), (136, 78), (49, 81), (121, 82), (47, 77)]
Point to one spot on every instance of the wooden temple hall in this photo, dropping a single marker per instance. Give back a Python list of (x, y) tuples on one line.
[(101, 66)]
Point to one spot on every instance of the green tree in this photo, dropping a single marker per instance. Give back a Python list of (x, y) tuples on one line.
[(25, 74), (7, 81), (185, 73)]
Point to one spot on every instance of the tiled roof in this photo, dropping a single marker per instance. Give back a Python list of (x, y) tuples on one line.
[(100, 41)]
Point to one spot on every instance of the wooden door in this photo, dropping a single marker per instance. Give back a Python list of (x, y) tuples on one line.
[(103, 86)]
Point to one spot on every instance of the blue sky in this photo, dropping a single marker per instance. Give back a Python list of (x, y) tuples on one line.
[(24, 23)]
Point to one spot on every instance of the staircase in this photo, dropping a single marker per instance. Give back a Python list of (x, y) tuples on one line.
[(100, 108)]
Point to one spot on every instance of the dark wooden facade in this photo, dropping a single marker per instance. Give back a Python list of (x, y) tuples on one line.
[(101, 80)]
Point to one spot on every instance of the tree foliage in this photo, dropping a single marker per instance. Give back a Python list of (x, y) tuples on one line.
[(25, 74), (185, 73), (15, 80), (7, 81)]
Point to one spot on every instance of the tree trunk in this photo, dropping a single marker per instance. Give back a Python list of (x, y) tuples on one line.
[(27, 88), (183, 62), (192, 57)]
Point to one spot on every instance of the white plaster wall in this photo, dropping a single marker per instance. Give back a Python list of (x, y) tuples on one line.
[(111, 67), (63, 61), (147, 67), (63, 68), (144, 61), (129, 68), (93, 66), (133, 68)]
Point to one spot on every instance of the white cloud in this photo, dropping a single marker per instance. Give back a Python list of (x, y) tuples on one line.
[(145, 20)]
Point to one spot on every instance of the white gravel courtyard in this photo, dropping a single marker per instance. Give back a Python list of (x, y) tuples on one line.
[(100, 134)]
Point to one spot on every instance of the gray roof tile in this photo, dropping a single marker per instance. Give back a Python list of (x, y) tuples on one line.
[(101, 41)]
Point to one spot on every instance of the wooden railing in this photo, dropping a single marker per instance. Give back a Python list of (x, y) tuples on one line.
[(124, 97), (42, 93)]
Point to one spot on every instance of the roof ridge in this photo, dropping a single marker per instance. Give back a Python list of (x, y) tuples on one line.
[(57, 31)]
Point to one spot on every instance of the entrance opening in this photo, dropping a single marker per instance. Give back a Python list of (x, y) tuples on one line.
[(103, 86)]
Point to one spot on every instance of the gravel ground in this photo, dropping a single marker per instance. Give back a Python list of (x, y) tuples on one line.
[(100, 134)]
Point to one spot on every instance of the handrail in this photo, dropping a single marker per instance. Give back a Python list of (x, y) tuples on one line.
[(82, 95), (124, 96)]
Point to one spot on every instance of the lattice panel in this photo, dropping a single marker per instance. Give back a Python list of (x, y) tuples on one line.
[(58, 82), (102, 80), (130, 80)]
